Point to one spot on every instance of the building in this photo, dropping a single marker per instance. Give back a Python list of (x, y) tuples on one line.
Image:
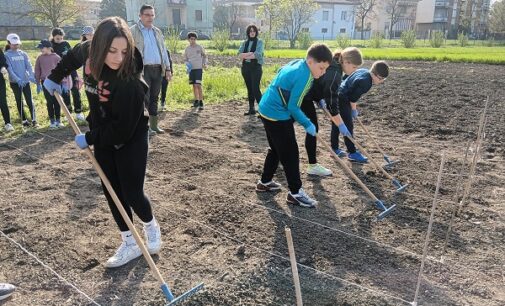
[(180, 14), (237, 15), (333, 18), (90, 9), (14, 19)]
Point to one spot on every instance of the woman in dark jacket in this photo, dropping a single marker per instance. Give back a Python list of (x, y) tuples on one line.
[(118, 125), (3, 94)]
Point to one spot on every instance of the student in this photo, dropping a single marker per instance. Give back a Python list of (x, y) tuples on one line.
[(278, 107), (20, 76), (196, 60), (118, 125), (356, 83), (61, 47), (251, 54), (164, 84), (46, 62), (87, 33), (3, 94)]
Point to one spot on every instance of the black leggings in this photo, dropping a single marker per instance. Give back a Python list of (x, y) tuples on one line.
[(283, 147), (53, 108), (252, 72), (164, 88), (3, 101), (346, 114), (27, 93), (310, 141), (126, 169)]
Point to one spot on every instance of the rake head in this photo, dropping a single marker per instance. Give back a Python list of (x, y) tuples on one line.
[(400, 187), (181, 298), (389, 162), (385, 211)]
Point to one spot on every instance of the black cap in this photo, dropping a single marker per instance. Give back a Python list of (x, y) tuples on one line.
[(44, 44)]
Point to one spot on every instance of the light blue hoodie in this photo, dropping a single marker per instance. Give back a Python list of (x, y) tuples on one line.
[(19, 66)]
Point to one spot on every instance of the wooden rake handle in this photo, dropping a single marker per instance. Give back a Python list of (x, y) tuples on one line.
[(294, 267), (370, 136), (112, 193)]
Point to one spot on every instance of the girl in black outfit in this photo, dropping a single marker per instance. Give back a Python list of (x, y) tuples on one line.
[(251, 54), (118, 124), (3, 94)]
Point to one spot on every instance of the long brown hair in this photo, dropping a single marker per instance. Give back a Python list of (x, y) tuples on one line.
[(107, 30)]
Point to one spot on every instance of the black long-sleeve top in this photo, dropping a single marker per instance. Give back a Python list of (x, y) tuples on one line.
[(117, 112), (3, 64), (326, 87)]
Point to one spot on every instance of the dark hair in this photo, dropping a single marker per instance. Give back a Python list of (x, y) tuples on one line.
[(336, 55), (83, 37), (7, 46), (249, 28), (380, 68), (145, 7), (57, 31), (320, 53), (192, 34), (106, 31)]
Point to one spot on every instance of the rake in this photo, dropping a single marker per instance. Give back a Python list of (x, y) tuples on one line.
[(156, 273), (389, 162), (378, 203), (394, 181)]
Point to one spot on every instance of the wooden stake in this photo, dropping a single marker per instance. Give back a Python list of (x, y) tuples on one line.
[(427, 240), (294, 268)]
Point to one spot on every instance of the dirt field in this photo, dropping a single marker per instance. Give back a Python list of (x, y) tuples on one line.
[(219, 231)]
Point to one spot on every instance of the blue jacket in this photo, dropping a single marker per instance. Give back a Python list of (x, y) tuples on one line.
[(284, 96), (19, 66), (355, 85)]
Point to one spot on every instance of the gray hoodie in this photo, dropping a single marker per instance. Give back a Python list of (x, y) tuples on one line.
[(19, 66)]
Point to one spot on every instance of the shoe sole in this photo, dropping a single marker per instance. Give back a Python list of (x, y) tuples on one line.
[(268, 190), (319, 174), (358, 162), (301, 204), (117, 266)]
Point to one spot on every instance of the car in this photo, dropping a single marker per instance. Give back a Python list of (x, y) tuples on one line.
[(184, 34)]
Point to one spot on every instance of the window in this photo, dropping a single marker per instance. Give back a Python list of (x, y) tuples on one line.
[(324, 30), (342, 30), (305, 29), (198, 15), (343, 16), (325, 15)]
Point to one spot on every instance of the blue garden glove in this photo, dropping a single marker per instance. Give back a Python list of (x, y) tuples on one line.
[(39, 88), (343, 130), (32, 79), (321, 104), (52, 87), (311, 130), (355, 113), (188, 67), (80, 140)]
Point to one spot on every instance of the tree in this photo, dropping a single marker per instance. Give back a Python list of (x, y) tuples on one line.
[(55, 11), (395, 13), (364, 8), (112, 8), (497, 17), (270, 10), (225, 16)]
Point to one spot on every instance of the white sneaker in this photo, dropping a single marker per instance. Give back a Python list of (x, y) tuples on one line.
[(301, 198), (59, 124), (124, 254), (6, 290), (152, 235), (317, 169), (52, 125), (80, 116), (8, 127)]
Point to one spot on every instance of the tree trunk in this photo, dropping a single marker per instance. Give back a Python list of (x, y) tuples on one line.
[(362, 26), (292, 43)]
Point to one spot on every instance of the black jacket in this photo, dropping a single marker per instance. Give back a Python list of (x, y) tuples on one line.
[(3, 64), (117, 113), (326, 87)]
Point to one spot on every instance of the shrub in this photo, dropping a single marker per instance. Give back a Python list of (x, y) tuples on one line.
[(437, 39), (490, 42), (409, 38), (172, 37), (267, 40), (221, 39), (343, 41), (462, 39), (376, 40), (304, 40)]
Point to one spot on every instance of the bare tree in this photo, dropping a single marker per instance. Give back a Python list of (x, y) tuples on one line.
[(497, 17), (363, 10), (395, 12), (55, 11), (226, 14), (271, 11), (294, 14)]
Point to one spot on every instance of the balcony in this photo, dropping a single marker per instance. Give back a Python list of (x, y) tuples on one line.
[(176, 2), (440, 19), (442, 3)]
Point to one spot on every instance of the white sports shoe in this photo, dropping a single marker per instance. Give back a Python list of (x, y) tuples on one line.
[(152, 236), (59, 124), (52, 125), (317, 169), (8, 127), (6, 290), (124, 254), (80, 116)]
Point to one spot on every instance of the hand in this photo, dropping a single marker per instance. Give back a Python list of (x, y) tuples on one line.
[(32, 79), (322, 104), (80, 140), (343, 130), (3, 71), (52, 87), (204, 66), (311, 130), (79, 83), (168, 75), (21, 83), (355, 113), (39, 88)]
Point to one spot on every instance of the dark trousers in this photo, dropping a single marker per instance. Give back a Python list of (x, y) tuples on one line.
[(127, 178), (346, 114), (310, 141), (76, 95), (27, 93), (252, 72), (152, 76), (283, 148), (3, 101), (53, 108), (164, 88)]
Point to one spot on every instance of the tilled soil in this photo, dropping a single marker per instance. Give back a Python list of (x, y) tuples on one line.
[(218, 230)]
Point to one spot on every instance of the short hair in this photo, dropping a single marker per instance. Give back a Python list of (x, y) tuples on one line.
[(192, 34), (251, 27), (57, 31), (352, 55), (320, 53), (380, 68), (145, 7)]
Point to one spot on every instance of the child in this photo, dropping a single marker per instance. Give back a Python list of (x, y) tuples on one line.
[(280, 103), (164, 84), (87, 33), (61, 47), (357, 83), (118, 125), (20, 76), (196, 60), (3, 94), (46, 62)]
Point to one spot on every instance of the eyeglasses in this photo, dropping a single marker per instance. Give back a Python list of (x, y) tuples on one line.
[(380, 77)]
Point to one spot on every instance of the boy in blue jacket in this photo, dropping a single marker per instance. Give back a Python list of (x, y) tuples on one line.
[(278, 107)]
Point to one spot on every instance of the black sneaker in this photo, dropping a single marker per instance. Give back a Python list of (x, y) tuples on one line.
[(34, 123), (270, 186), (26, 123), (195, 103), (251, 112), (301, 198), (200, 105)]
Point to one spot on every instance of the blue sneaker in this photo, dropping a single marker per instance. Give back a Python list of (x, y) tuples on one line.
[(357, 157), (340, 153)]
